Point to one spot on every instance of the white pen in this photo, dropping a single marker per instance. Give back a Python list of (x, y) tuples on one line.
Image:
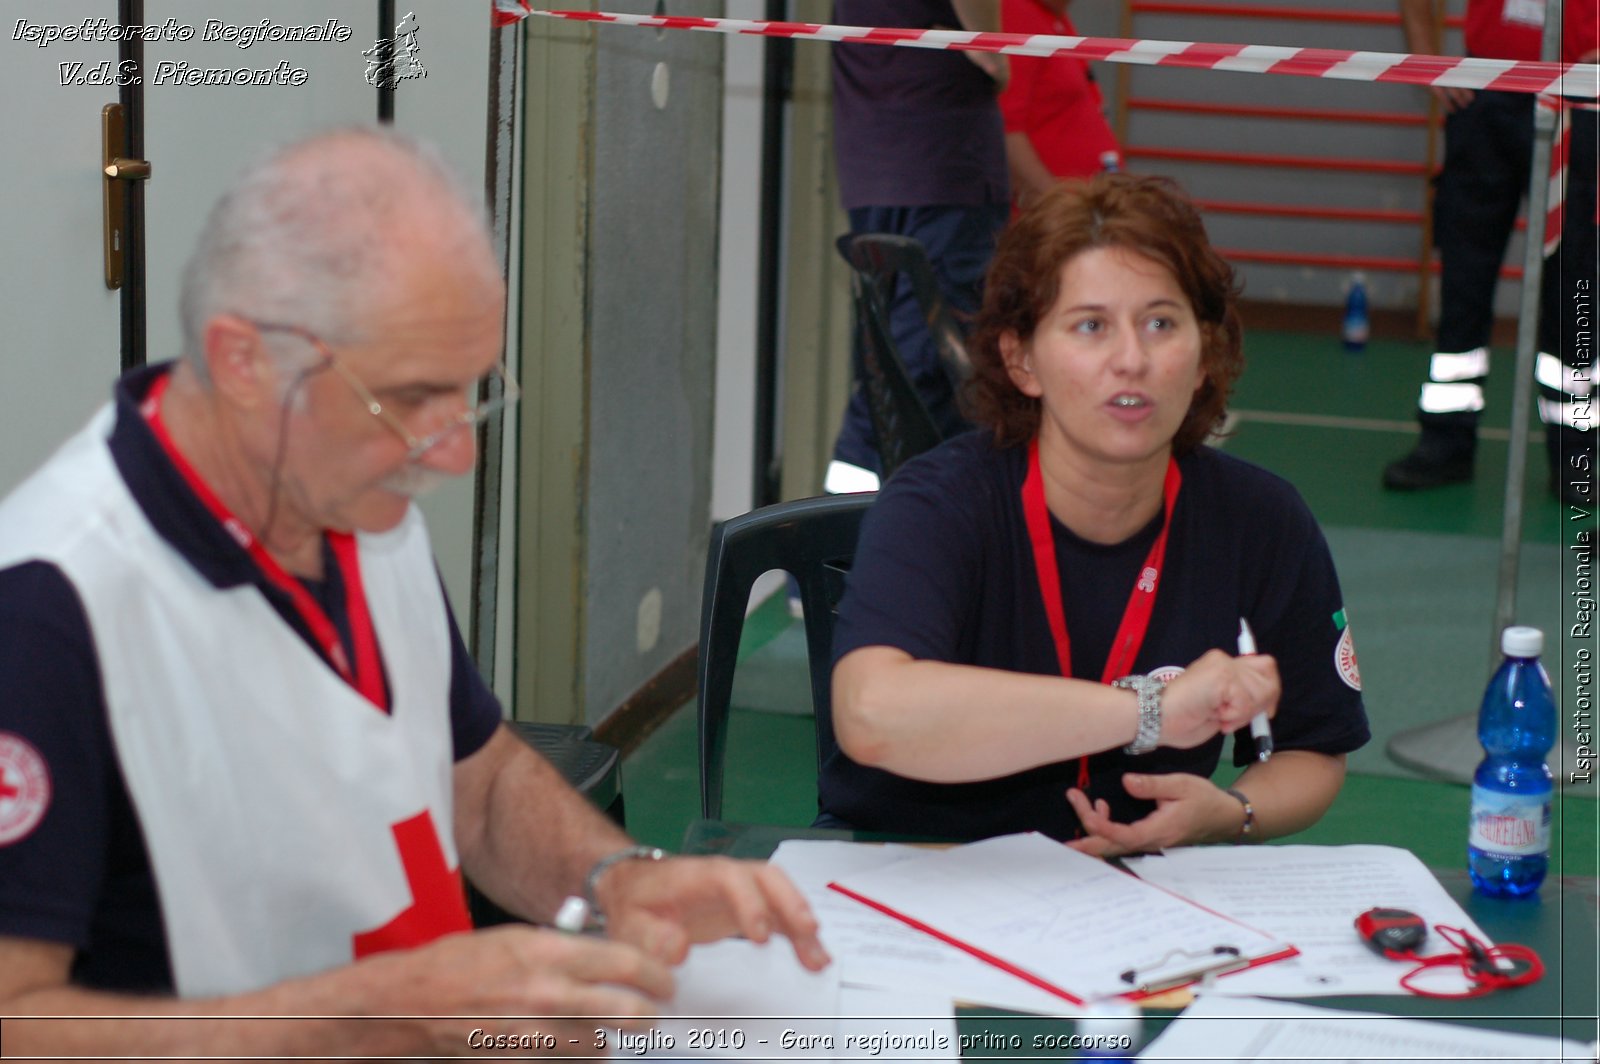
[(1260, 727)]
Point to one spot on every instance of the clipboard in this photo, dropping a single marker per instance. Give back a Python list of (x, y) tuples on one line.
[(1183, 967), (1068, 924)]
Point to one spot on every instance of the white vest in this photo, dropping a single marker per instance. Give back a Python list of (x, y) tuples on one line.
[(268, 789)]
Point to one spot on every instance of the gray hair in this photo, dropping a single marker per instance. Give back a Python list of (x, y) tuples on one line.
[(307, 236)]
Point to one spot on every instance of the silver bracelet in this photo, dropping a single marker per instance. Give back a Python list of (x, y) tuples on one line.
[(1149, 691), (596, 916), (1247, 830)]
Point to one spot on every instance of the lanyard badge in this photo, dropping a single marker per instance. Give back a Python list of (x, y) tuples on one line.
[(1141, 601), (365, 674)]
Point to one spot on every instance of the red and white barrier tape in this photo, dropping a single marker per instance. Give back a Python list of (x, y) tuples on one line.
[(1555, 211), (1507, 75), (1560, 152), (1548, 80)]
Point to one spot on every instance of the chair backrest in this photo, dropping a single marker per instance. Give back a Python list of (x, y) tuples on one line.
[(813, 540), (882, 258), (901, 422)]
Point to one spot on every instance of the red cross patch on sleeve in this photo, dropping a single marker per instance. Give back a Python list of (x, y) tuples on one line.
[(24, 788)]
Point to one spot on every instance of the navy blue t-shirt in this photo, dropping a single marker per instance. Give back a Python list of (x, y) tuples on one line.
[(944, 571), (82, 877), (913, 127)]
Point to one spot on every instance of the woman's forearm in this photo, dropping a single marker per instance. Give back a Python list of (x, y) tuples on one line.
[(947, 723)]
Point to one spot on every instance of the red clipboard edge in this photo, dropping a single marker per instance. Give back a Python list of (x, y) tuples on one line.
[(1034, 980), (988, 958)]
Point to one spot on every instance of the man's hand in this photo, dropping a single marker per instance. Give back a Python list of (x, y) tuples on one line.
[(983, 16), (1451, 98), (1189, 809), (1217, 693), (513, 989), (664, 907), (994, 64), (1419, 23), (521, 982)]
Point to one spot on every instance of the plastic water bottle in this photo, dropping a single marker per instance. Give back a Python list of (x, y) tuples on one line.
[(1508, 844), (1356, 327)]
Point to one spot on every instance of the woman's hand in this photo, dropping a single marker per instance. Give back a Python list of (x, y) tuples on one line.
[(1217, 693), (1189, 809)]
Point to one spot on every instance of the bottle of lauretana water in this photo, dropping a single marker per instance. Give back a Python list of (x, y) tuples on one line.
[(1508, 845)]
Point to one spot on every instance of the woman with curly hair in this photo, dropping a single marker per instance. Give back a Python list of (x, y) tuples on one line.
[(1041, 616)]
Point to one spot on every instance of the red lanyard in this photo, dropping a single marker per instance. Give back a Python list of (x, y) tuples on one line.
[(367, 675), (1135, 617)]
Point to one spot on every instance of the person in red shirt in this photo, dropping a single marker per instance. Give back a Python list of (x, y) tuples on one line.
[(1055, 126), (1488, 155)]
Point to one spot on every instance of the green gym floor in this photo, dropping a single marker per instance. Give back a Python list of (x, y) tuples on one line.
[(1419, 573)]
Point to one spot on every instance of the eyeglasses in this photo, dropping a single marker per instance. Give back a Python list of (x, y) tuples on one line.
[(484, 398)]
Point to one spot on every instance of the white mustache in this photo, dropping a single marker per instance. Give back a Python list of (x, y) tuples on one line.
[(413, 481)]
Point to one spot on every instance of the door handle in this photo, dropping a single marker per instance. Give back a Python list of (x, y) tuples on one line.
[(129, 169), (117, 169)]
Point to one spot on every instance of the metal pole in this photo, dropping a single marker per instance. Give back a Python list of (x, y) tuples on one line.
[(1527, 341), (385, 71), (777, 87), (500, 163), (131, 96)]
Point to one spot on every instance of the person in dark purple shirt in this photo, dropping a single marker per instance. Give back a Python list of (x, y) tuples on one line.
[(920, 149)]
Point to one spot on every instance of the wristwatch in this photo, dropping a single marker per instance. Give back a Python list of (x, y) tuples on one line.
[(1149, 691)]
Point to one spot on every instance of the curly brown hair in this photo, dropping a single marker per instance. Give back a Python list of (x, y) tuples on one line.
[(1146, 215)]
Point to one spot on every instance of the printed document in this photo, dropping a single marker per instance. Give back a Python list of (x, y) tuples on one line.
[(741, 1001), (871, 949), (1232, 1030), (1311, 896), (1058, 919)]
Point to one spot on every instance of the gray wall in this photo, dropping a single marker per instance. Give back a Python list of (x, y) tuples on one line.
[(652, 284), (619, 288)]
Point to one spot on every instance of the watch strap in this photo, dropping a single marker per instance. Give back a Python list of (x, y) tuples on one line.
[(1148, 737)]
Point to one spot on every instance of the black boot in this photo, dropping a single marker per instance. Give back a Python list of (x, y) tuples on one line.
[(1443, 454), (1572, 458)]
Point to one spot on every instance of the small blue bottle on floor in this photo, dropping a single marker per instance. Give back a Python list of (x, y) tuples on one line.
[(1356, 327), (1508, 846)]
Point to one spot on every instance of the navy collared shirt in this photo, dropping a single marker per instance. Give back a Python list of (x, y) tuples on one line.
[(913, 127), (82, 877)]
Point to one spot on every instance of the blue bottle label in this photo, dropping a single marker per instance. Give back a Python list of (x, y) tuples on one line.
[(1511, 825)]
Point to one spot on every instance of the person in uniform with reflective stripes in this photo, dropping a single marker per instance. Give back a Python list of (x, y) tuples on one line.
[(245, 759), (1486, 171)]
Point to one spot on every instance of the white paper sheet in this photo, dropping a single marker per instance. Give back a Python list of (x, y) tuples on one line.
[(871, 949), (737, 1000), (740, 1001), (1221, 1030), (1068, 919), (1311, 895), (880, 1024)]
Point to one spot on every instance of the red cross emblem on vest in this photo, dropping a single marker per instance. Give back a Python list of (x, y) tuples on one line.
[(438, 904), (24, 788)]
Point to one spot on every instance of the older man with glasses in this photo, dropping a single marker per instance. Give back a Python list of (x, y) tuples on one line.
[(245, 759)]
